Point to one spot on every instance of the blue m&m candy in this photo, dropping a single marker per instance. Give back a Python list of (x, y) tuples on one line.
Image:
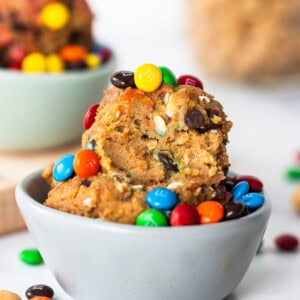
[(63, 168), (239, 190), (253, 200), (161, 198)]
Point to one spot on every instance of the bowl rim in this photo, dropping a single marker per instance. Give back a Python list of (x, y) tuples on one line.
[(22, 195), (19, 75)]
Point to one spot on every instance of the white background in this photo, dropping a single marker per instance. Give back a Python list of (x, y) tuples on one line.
[(263, 141)]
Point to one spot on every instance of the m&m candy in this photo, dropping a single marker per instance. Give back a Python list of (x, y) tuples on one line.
[(55, 15), (63, 167), (189, 80), (89, 117), (93, 61), (252, 200), (31, 256), (184, 214), (122, 79), (255, 184), (86, 163), (161, 198), (168, 76), (239, 190), (39, 290), (54, 63), (148, 77), (287, 242), (34, 63), (71, 53), (210, 212), (152, 218)]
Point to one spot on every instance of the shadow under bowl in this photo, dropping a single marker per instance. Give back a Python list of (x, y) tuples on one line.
[(92, 259)]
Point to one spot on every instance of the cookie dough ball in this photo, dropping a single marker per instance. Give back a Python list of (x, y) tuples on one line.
[(174, 137), (295, 199), (43, 26), (246, 39)]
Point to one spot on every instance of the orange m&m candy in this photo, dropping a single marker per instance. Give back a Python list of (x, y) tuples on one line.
[(86, 163), (210, 212), (71, 53)]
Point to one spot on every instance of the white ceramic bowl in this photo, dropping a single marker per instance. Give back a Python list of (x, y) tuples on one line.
[(45, 110), (91, 259)]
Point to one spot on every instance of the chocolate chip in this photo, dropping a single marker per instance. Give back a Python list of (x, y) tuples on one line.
[(120, 128), (16, 23), (123, 79), (234, 210), (194, 119), (91, 145), (167, 161), (211, 113), (86, 182)]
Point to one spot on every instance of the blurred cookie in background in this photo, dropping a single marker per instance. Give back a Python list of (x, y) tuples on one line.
[(246, 39)]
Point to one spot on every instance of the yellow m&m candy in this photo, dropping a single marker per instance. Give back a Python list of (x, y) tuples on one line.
[(148, 77), (55, 15), (34, 63), (54, 63), (93, 61)]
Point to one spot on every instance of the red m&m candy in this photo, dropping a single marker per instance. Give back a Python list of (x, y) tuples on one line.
[(255, 184), (184, 214), (287, 242), (189, 80), (89, 116)]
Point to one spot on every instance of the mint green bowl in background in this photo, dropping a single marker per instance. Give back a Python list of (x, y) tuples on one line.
[(46, 110)]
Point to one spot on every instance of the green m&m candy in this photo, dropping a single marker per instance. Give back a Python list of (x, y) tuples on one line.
[(293, 173), (151, 218), (31, 256), (168, 76)]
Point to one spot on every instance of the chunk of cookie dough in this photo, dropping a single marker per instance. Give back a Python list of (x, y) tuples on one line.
[(174, 137)]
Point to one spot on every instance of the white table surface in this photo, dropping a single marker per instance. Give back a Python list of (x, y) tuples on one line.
[(263, 141)]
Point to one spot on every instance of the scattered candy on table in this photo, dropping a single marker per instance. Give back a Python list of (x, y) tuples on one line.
[(31, 256), (39, 290), (8, 295), (287, 242), (295, 199)]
